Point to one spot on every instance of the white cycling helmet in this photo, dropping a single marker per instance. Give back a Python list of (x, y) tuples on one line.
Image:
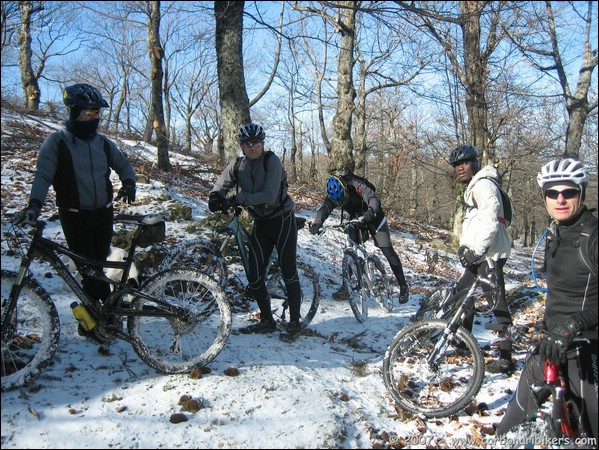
[(564, 170)]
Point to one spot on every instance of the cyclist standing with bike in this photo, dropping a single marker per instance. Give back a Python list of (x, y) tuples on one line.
[(571, 305), (77, 162), (262, 188), (484, 233), (358, 199)]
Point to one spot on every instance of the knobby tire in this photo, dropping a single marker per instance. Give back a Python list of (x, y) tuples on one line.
[(434, 390), (197, 333), (32, 338)]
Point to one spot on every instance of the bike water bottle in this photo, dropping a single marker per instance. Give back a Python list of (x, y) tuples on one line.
[(83, 317)]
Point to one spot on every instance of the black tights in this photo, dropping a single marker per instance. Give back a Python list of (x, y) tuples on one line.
[(279, 232), (89, 233)]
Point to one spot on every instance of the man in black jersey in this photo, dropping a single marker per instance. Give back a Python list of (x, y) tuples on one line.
[(571, 303)]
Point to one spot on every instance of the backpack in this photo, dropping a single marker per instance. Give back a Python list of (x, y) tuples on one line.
[(267, 155), (505, 201), (346, 178)]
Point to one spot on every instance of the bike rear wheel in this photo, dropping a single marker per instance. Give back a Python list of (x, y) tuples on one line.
[(352, 277), (380, 283), (31, 335), (310, 291), (197, 332), (437, 306), (433, 386), (200, 254)]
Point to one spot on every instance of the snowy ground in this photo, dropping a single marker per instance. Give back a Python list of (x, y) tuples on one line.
[(325, 390)]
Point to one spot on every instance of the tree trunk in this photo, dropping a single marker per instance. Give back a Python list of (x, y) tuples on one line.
[(156, 54), (342, 147), (31, 90), (234, 102), (475, 70)]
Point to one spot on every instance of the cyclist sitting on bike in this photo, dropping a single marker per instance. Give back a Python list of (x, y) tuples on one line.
[(358, 199), (77, 162), (571, 303), (483, 233), (263, 189)]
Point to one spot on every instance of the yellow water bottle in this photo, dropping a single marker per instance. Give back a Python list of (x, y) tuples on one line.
[(83, 317)]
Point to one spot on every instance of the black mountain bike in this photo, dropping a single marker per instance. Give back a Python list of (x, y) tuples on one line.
[(434, 366), (178, 320), (364, 274), (209, 257), (557, 421)]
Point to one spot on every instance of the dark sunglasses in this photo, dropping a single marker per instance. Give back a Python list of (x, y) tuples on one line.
[(253, 143), (91, 111), (568, 194)]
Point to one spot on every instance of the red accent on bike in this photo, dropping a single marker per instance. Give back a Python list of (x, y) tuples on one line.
[(551, 372)]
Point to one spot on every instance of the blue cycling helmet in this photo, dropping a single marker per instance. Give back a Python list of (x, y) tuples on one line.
[(251, 132), (336, 190)]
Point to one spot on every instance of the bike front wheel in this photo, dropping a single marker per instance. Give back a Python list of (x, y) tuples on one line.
[(310, 293), (181, 321), (352, 278), (30, 332), (379, 283), (200, 254), (429, 373)]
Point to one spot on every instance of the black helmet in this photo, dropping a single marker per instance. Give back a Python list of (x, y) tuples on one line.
[(251, 132), (465, 152), (83, 96)]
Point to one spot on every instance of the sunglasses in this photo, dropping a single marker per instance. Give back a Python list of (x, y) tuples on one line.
[(91, 111), (253, 143), (568, 194)]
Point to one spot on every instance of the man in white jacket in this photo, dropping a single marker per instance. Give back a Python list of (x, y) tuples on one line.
[(484, 233)]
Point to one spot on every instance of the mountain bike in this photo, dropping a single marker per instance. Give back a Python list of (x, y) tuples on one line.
[(434, 366), (177, 320), (443, 302), (557, 421), (364, 274), (208, 256)]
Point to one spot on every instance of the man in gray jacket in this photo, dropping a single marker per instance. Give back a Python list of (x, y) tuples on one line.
[(261, 185), (77, 162), (484, 233)]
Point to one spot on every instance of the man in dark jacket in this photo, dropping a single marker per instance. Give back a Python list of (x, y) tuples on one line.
[(571, 306), (359, 200), (77, 162), (262, 188)]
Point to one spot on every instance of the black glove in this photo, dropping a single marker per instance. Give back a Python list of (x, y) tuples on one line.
[(127, 192), (215, 202), (28, 215), (230, 202), (369, 215), (556, 341), (315, 227), (467, 257)]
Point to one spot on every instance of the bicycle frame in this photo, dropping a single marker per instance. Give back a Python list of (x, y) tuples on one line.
[(556, 387), (115, 305), (458, 312)]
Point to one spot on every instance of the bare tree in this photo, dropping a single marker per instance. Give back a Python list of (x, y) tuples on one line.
[(536, 34), (156, 76), (31, 89), (234, 102)]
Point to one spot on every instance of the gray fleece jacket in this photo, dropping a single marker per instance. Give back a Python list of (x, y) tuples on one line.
[(79, 170), (265, 192)]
